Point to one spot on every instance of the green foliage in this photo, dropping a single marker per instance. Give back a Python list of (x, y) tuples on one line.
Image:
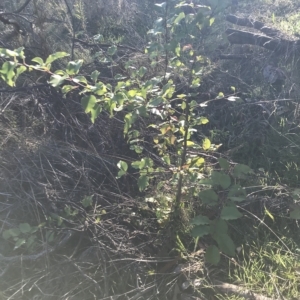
[(266, 266), (87, 201), (25, 234), (176, 123), (212, 255)]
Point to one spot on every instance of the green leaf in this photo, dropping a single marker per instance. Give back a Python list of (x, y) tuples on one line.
[(225, 243), (295, 214), (122, 165), (155, 101), (166, 159), (208, 196), (212, 255), (101, 89), (237, 193), (121, 173), (51, 58), (221, 179), (220, 95), (88, 103), (218, 226), (80, 78), (230, 213), (87, 201), (269, 214), (7, 72), (8, 53), (30, 241), (25, 227), (200, 231), (206, 144), (67, 88), (14, 232), (57, 80), (200, 220), (132, 93), (241, 170), (19, 243), (95, 75), (73, 67), (20, 70), (38, 60), (136, 164), (179, 18), (143, 182), (98, 38), (6, 234), (211, 21), (50, 236), (223, 163), (112, 50), (142, 71), (95, 112), (202, 121), (198, 162)]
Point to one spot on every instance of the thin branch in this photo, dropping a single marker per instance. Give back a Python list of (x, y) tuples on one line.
[(22, 7), (25, 88), (73, 28), (31, 257), (106, 45)]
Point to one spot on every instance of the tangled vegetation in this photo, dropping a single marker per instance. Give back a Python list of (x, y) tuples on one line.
[(149, 150)]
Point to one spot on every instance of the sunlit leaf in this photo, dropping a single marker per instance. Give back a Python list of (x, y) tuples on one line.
[(81, 79), (51, 58), (7, 72), (122, 165), (73, 67), (179, 18), (38, 60), (95, 75), (88, 103), (57, 80), (95, 111), (19, 243), (267, 212), (8, 53), (67, 88), (206, 144)]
